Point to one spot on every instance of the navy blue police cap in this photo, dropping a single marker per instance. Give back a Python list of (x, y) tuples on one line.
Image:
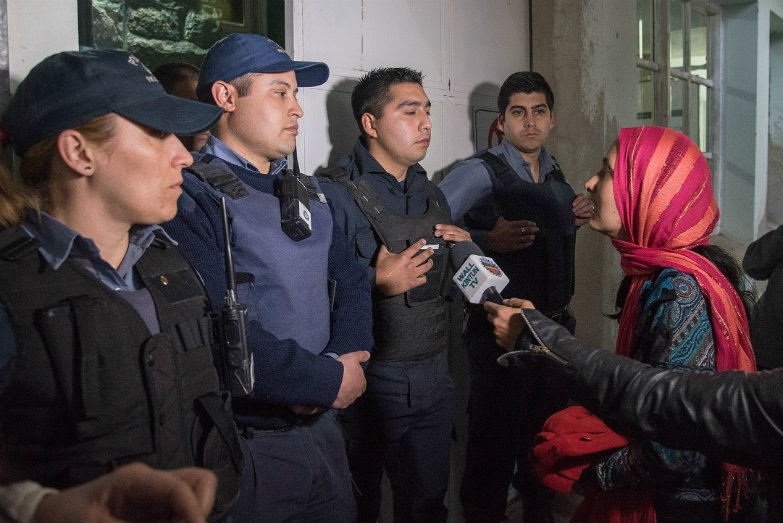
[(73, 87), (241, 53)]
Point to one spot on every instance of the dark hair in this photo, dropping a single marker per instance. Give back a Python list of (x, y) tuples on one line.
[(173, 73), (241, 83), (372, 91), (524, 82), (723, 261)]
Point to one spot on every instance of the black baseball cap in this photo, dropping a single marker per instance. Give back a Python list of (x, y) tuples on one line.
[(241, 53), (73, 87)]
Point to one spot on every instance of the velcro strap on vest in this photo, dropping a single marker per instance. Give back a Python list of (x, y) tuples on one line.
[(15, 243), (220, 179), (192, 334)]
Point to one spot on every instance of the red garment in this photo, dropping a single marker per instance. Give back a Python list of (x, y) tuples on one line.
[(568, 443), (626, 505)]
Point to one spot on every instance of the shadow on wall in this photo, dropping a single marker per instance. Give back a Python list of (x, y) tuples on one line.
[(480, 115), (343, 129)]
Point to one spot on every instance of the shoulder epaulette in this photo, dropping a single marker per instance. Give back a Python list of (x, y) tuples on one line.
[(15, 243)]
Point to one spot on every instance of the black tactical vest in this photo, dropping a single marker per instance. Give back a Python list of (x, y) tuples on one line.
[(544, 272), (412, 325), (92, 389)]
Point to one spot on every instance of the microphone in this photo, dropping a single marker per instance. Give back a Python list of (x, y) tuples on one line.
[(478, 277)]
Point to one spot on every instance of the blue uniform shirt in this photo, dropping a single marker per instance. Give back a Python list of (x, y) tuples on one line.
[(216, 147)]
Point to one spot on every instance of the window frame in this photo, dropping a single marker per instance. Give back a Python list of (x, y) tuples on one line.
[(662, 71)]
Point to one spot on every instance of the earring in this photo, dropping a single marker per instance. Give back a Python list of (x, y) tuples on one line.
[(88, 168)]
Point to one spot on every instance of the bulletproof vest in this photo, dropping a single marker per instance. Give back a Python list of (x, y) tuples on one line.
[(284, 283), (411, 325), (92, 389), (544, 272)]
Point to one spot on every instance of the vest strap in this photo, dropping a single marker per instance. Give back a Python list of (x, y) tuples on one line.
[(498, 166), (214, 406), (219, 179), (368, 201)]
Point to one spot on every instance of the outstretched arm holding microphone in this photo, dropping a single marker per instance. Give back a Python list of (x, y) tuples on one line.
[(735, 416)]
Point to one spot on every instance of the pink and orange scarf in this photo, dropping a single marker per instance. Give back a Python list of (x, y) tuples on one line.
[(663, 190)]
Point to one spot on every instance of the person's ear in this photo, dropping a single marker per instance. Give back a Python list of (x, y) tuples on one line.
[(552, 119), (501, 123), (225, 95), (76, 152), (369, 123)]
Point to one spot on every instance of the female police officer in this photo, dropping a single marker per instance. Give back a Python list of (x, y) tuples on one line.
[(105, 342)]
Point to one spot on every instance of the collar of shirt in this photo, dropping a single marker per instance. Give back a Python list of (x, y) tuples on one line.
[(217, 148), (546, 163), (58, 242), (367, 164)]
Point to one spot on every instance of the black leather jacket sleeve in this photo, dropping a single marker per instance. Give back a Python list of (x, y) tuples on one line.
[(733, 415)]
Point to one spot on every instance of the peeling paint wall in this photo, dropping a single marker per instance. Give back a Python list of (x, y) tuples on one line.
[(775, 152), (591, 66)]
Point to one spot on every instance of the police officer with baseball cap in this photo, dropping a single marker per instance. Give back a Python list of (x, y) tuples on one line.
[(105, 333), (308, 301)]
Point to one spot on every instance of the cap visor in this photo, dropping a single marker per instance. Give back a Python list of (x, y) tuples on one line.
[(308, 74), (312, 74), (173, 115)]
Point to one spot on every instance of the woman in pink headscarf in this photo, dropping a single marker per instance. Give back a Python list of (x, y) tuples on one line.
[(680, 308)]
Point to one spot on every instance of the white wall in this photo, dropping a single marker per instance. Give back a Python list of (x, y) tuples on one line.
[(36, 29), (746, 77), (464, 48)]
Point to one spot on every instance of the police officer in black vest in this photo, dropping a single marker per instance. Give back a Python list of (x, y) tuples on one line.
[(105, 338), (397, 221), (521, 211)]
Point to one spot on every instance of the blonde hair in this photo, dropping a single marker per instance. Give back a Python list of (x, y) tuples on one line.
[(14, 199), (35, 169)]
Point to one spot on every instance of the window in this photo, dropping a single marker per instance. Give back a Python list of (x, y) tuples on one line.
[(175, 31), (677, 63)]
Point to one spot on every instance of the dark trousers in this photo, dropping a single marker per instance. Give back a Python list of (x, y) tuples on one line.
[(403, 425), (507, 408), (296, 475)]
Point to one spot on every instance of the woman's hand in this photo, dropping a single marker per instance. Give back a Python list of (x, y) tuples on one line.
[(507, 320)]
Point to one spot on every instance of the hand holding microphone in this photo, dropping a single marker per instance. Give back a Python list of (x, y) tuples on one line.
[(506, 320), (480, 279)]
